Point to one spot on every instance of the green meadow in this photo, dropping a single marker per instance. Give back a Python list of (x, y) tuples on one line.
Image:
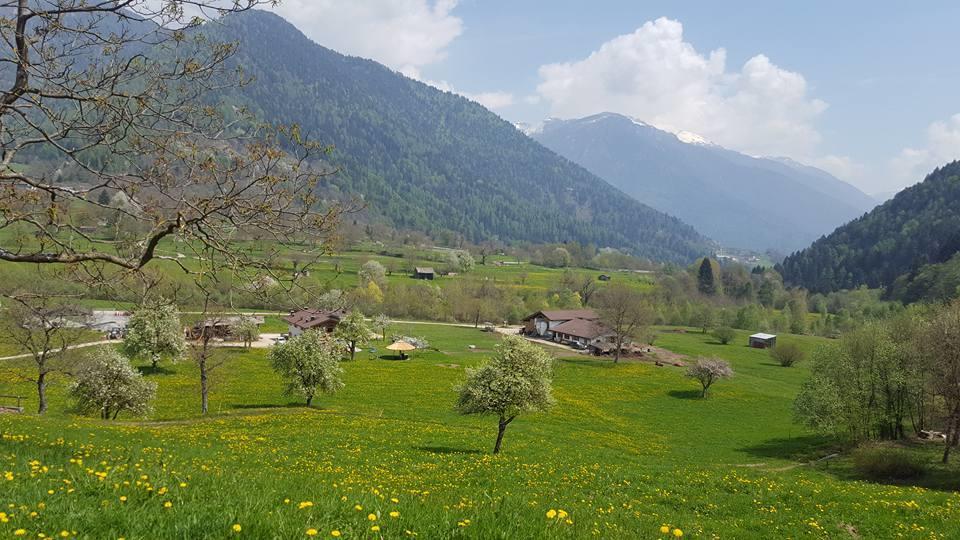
[(628, 449)]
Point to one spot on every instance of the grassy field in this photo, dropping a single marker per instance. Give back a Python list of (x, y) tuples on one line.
[(628, 449)]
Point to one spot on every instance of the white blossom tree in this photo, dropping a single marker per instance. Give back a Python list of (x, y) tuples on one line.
[(518, 379), (708, 371), (107, 385), (372, 271), (352, 329), (309, 363), (247, 330), (381, 322), (155, 331)]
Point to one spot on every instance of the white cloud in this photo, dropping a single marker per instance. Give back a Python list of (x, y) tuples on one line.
[(402, 34), (942, 146), (492, 100), (843, 167), (656, 76)]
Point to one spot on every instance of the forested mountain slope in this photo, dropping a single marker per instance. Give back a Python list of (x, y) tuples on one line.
[(430, 160), (741, 201), (920, 226)]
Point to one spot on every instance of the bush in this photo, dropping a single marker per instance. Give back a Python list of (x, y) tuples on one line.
[(724, 334), (886, 462), (787, 354)]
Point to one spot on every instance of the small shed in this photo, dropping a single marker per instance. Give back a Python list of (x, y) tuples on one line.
[(424, 273), (604, 277), (763, 341)]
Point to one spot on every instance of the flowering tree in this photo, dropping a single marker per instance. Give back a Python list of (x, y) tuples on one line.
[(373, 271), (108, 385), (708, 371), (352, 329), (516, 380), (309, 363), (247, 330), (381, 322), (153, 332)]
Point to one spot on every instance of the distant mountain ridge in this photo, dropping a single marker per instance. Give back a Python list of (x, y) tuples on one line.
[(920, 226), (739, 200), (434, 161)]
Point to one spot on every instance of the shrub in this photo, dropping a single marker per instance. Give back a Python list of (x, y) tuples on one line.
[(787, 354), (724, 334), (885, 462), (708, 371)]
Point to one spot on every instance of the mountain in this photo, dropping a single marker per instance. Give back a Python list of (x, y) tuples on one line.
[(740, 201), (901, 238), (434, 161)]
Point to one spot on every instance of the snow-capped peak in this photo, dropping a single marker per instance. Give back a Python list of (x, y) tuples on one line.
[(692, 138)]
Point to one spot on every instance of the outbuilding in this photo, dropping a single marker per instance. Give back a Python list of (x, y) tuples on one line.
[(763, 341), (424, 273)]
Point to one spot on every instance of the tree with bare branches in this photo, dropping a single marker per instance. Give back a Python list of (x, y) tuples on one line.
[(625, 312), (45, 327), (109, 106)]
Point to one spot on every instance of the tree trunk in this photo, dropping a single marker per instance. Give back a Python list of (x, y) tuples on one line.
[(42, 393), (309, 399), (502, 428), (154, 360), (203, 386), (353, 349)]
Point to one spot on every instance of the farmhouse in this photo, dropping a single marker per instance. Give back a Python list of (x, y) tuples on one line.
[(424, 273), (584, 334), (220, 327), (763, 341), (542, 323), (299, 322)]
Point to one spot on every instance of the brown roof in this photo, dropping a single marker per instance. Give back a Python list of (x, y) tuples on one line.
[(582, 328), (311, 318), (566, 314)]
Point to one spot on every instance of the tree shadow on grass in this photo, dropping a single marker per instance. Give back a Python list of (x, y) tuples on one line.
[(590, 362), (159, 370), (447, 450), (804, 448), (290, 405), (686, 394)]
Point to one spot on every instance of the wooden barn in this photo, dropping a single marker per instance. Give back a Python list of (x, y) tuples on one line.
[(763, 341)]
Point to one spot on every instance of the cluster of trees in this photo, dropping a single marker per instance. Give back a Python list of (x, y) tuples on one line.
[(895, 241), (888, 377)]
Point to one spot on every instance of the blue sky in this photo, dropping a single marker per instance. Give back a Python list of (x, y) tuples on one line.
[(867, 90)]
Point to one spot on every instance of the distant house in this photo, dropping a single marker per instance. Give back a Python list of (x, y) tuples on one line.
[(219, 327), (763, 341), (542, 323), (424, 273), (585, 334), (299, 322)]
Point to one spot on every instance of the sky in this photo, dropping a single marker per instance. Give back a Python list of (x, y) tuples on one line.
[(865, 90)]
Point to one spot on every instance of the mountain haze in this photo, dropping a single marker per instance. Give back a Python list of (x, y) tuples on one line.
[(434, 161), (740, 201)]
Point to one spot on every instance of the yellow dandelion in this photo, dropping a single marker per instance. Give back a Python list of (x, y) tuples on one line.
[(311, 532), (394, 514), (357, 507), (305, 504), (19, 532), (551, 513), (123, 498), (335, 533), (372, 517), (168, 504), (677, 533), (664, 530), (64, 534), (562, 514), (237, 527), (375, 528)]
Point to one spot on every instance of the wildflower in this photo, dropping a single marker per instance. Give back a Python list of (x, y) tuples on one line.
[(664, 530), (305, 504), (19, 532), (237, 527), (335, 533), (311, 532), (375, 528), (357, 507), (168, 504), (372, 517), (394, 500), (394, 514), (677, 533), (562, 514), (551, 513), (64, 534), (123, 498)]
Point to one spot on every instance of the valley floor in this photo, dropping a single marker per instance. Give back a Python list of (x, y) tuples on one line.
[(628, 449)]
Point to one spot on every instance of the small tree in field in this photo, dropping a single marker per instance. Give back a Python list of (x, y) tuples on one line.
[(625, 312), (247, 330), (352, 329), (381, 322), (786, 354), (310, 363), (153, 332), (516, 380), (724, 334), (107, 385), (708, 371)]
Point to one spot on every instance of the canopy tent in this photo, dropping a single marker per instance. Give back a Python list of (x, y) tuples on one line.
[(401, 347)]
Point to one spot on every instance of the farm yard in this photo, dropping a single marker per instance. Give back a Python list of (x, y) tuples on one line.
[(629, 451)]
